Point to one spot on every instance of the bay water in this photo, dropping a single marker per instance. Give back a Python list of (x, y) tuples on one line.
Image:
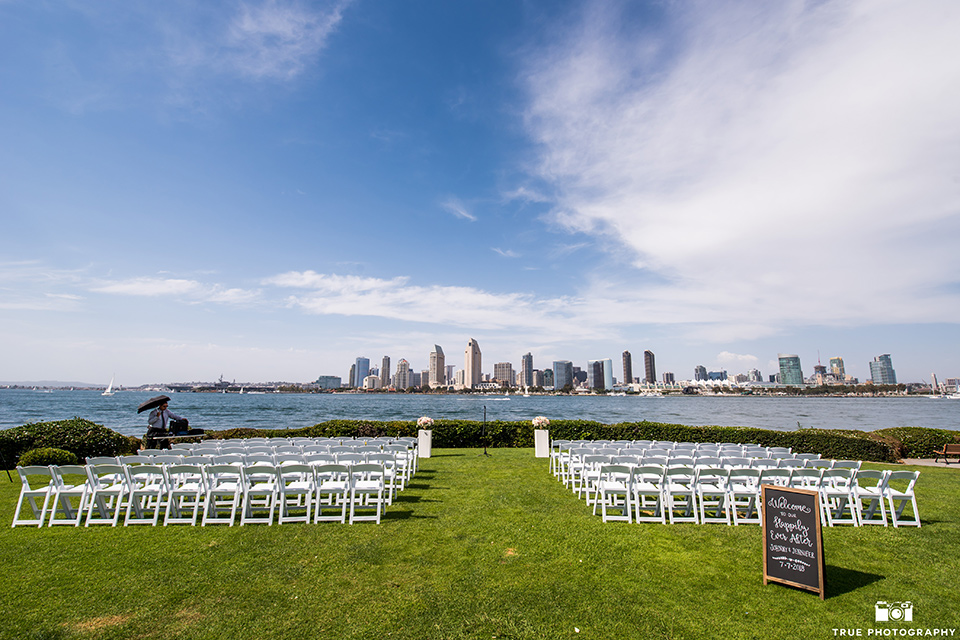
[(280, 411)]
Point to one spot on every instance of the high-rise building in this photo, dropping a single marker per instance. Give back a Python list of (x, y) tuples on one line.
[(449, 373), (526, 370), (472, 375), (538, 378), (503, 373), (385, 372), (608, 378), (438, 368), (415, 379), (836, 367), (353, 376), (754, 375), (548, 378), (790, 371), (403, 379), (627, 367), (649, 367), (562, 374), (362, 371), (699, 373), (669, 378), (881, 370), (595, 374)]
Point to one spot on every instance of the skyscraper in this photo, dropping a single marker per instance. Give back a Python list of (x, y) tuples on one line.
[(595, 374), (362, 371), (403, 378), (607, 373), (881, 370), (353, 376), (836, 367), (503, 373), (438, 368), (627, 368), (385, 372), (562, 374), (649, 367), (699, 373), (526, 370), (472, 375), (790, 371)]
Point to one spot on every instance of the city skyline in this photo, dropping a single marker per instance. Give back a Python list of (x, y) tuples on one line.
[(269, 189)]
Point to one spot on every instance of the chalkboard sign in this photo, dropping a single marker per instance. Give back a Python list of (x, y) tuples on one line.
[(792, 544)]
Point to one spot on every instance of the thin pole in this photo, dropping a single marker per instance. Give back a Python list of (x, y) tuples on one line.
[(483, 434)]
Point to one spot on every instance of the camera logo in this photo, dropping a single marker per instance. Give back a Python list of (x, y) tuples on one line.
[(894, 611)]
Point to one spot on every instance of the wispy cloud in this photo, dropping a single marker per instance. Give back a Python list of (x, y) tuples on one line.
[(186, 290), (398, 299), (751, 155), (276, 39), (457, 208), (506, 253)]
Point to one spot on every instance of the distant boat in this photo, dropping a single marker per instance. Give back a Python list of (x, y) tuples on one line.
[(109, 391)]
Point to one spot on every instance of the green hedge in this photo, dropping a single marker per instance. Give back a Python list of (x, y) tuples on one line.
[(919, 442), (81, 437), (847, 445)]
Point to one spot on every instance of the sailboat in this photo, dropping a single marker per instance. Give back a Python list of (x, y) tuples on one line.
[(109, 391)]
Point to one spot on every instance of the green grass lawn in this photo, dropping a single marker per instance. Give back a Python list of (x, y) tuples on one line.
[(476, 548)]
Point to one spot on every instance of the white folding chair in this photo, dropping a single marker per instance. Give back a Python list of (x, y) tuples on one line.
[(836, 497), (647, 486), (680, 494), (69, 482), (259, 494), (109, 488), (333, 492), (224, 489), (186, 490), (36, 482), (148, 494), (743, 485), (869, 491), (296, 490), (366, 491), (613, 492), (713, 495), (898, 498)]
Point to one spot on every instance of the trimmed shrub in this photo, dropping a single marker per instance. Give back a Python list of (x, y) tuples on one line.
[(46, 456), (82, 438)]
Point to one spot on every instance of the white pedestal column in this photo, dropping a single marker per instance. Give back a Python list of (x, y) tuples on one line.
[(424, 442), (541, 442)]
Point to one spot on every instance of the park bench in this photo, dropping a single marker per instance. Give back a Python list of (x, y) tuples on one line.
[(949, 450)]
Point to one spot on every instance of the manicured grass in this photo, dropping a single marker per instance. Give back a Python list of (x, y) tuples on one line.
[(476, 548)]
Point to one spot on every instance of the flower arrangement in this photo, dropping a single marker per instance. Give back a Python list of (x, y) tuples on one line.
[(540, 422), (424, 421)]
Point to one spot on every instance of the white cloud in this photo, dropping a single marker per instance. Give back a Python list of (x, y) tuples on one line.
[(187, 290), (506, 253), (396, 299), (766, 165), (457, 208)]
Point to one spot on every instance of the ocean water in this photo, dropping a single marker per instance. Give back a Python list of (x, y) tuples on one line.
[(280, 411)]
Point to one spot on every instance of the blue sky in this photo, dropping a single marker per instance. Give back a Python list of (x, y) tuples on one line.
[(268, 189)]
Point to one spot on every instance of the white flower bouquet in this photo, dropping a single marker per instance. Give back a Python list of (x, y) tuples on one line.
[(424, 421), (540, 422)]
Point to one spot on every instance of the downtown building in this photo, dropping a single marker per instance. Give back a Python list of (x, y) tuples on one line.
[(438, 368), (563, 375), (472, 371), (881, 370), (790, 372), (649, 367)]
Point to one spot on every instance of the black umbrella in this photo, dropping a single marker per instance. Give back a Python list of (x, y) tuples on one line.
[(152, 403)]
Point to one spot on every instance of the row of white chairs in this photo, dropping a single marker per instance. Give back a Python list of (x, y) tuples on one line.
[(652, 493), (214, 494), (247, 443)]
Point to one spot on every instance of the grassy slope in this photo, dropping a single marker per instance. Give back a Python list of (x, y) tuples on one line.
[(476, 548)]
